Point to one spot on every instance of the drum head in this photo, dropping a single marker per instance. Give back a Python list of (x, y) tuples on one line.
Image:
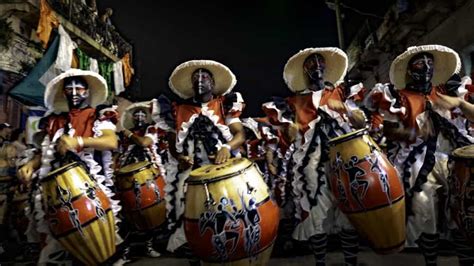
[(134, 167), (213, 172), (464, 152), (348, 136), (60, 170)]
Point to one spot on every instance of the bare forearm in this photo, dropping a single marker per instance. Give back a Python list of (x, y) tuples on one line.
[(102, 143), (239, 135), (142, 141)]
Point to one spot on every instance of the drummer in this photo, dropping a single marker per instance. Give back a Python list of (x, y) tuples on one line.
[(259, 143), (317, 111), (420, 136), (138, 143), (74, 124), (208, 128)]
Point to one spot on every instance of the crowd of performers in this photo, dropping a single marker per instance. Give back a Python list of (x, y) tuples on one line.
[(418, 118)]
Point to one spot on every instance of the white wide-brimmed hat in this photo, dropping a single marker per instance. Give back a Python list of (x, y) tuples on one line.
[(181, 84), (55, 100), (336, 67), (446, 64), (126, 120)]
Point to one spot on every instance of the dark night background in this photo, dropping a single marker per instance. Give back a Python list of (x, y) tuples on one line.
[(253, 38)]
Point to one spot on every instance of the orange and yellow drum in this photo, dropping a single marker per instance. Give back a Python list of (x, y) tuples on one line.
[(461, 187), (368, 190), (79, 214), (230, 217), (141, 193)]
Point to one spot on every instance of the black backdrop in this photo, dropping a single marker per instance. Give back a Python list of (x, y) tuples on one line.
[(253, 38)]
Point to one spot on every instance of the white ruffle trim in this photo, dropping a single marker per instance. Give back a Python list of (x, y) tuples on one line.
[(184, 130)]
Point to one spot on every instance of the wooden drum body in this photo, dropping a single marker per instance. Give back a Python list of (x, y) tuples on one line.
[(141, 192), (229, 216), (461, 184), (368, 190), (79, 214)]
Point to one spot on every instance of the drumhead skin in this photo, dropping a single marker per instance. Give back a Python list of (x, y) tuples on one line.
[(348, 136), (134, 167), (464, 152), (216, 172)]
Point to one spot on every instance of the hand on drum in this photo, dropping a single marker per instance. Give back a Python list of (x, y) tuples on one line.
[(184, 162), (66, 143), (26, 172), (223, 154)]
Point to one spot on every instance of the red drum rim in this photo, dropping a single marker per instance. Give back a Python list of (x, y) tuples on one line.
[(348, 136), (62, 170)]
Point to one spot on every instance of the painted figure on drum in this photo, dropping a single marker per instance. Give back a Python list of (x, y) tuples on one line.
[(421, 134), (75, 125), (321, 108), (91, 193), (206, 127), (218, 221)]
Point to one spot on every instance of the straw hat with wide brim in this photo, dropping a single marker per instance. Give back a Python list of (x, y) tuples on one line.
[(336, 67), (180, 80), (446, 64), (126, 120), (55, 100)]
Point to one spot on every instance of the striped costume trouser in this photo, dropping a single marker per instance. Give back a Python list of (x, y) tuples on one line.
[(428, 244), (349, 244)]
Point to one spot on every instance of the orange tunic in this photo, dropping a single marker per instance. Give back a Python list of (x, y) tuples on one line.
[(304, 109), (184, 112), (82, 120)]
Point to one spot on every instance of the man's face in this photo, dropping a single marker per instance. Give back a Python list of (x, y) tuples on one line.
[(420, 68), (203, 83), (139, 118), (314, 66), (76, 91)]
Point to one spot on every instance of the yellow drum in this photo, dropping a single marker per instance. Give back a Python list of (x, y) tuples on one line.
[(79, 214), (368, 190), (141, 192), (230, 217)]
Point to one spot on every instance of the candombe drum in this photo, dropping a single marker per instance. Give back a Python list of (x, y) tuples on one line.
[(79, 214), (229, 216), (141, 192), (461, 184), (368, 190)]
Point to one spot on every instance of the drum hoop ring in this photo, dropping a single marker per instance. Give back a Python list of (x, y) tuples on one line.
[(50, 176), (146, 166), (339, 140), (219, 178)]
